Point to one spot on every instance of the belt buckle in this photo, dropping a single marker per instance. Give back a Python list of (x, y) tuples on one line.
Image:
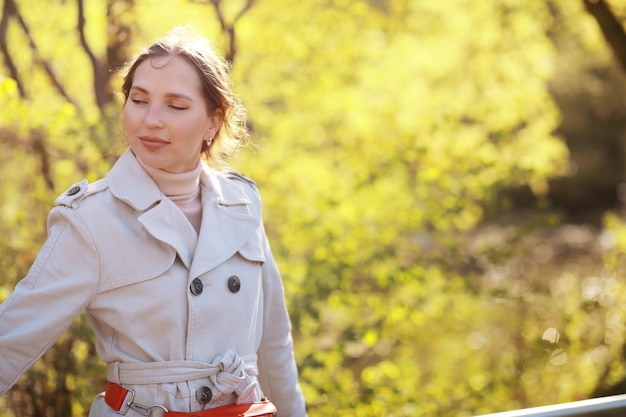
[(149, 411), (127, 402), (160, 411)]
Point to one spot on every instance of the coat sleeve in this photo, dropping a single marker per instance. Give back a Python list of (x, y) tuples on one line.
[(58, 287), (278, 374)]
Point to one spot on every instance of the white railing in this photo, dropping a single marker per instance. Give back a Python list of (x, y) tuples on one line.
[(613, 406)]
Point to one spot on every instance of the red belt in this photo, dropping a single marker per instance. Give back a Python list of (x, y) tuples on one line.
[(120, 399)]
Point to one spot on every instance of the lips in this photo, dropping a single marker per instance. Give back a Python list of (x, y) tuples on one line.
[(153, 143), (152, 139)]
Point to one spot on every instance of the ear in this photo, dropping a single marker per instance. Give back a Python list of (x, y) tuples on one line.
[(215, 123), (217, 118)]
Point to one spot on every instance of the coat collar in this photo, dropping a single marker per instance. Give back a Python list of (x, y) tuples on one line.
[(227, 218), (129, 182)]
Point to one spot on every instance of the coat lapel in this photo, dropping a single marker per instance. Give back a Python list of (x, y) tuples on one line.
[(129, 182), (227, 221), (167, 223)]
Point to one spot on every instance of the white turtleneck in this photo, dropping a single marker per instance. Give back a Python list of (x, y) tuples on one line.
[(183, 189)]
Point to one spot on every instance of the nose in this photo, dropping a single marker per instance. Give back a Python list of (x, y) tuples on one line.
[(152, 118)]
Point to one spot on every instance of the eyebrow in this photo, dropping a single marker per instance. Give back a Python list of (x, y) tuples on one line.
[(171, 95)]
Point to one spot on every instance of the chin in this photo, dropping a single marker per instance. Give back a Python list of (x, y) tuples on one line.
[(149, 160)]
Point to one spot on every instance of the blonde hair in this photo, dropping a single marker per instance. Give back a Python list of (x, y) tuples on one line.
[(217, 89)]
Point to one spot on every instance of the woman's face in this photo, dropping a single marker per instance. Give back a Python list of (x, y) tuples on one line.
[(166, 117)]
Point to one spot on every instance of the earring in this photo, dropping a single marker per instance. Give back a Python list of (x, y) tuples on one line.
[(209, 141)]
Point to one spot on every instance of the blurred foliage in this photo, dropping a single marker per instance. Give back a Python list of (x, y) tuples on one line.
[(386, 132)]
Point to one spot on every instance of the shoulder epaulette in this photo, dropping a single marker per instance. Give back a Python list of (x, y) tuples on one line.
[(239, 176), (77, 192)]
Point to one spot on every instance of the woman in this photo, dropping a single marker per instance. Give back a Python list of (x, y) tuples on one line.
[(168, 257)]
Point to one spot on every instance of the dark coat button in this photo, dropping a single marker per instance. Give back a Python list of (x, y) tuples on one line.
[(73, 191), (234, 284), (204, 395), (196, 286)]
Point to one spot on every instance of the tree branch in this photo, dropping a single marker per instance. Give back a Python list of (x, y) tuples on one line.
[(8, 11), (39, 147), (243, 10), (99, 77), (229, 28), (46, 66), (120, 34), (610, 26)]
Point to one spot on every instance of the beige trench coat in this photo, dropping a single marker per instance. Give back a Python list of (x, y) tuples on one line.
[(157, 293)]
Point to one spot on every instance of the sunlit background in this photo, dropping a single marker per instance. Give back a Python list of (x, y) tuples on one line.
[(442, 181)]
